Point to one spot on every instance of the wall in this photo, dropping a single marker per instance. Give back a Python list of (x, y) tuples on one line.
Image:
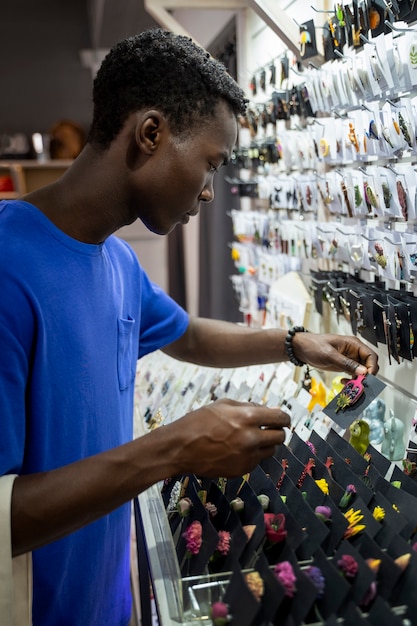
[(42, 77), (44, 80)]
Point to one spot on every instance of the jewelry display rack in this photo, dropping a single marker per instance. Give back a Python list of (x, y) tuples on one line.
[(304, 231)]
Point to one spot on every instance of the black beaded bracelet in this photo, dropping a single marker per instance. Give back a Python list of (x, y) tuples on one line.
[(288, 345)]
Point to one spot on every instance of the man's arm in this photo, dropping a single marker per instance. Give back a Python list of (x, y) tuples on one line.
[(223, 344), (226, 438)]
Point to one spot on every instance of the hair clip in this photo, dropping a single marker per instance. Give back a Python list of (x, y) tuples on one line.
[(371, 196), (324, 513), (223, 544), (255, 584), (264, 501), (237, 504), (379, 513), (305, 38), (211, 509), (275, 527), (346, 198), (323, 485), (409, 467), (350, 491), (373, 130), (219, 613), (402, 198), (308, 469), (350, 393), (404, 129), (183, 506), (403, 561), (312, 447), (174, 497), (369, 595), (380, 257), (193, 538), (315, 575), (329, 464), (348, 565), (358, 196), (284, 573), (396, 126), (284, 464), (386, 135), (324, 147), (353, 137), (387, 195), (359, 436), (353, 517)]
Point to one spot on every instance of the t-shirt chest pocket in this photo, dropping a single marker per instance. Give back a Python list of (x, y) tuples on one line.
[(127, 352)]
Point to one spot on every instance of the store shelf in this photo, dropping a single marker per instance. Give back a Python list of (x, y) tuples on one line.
[(28, 175)]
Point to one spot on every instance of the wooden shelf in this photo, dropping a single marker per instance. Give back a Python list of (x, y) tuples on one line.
[(28, 175)]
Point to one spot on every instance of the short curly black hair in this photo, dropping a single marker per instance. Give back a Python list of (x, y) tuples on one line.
[(161, 70)]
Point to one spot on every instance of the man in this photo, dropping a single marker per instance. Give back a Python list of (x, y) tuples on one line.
[(77, 311)]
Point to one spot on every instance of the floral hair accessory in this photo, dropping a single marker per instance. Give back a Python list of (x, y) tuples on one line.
[(409, 467), (255, 584), (373, 564), (324, 513), (175, 496), (350, 491), (285, 574), (353, 517), (379, 513), (237, 504), (264, 501), (308, 469), (274, 527), (249, 530), (323, 485), (311, 446), (183, 506), (211, 509), (348, 566), (403, 561), (329, 464), (317, 578), (223, 545), (369, 595), (284, 464), (193, 537), (219, 613)]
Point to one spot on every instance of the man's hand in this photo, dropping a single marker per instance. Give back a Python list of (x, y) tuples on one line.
[(338, 353), (227, 438)]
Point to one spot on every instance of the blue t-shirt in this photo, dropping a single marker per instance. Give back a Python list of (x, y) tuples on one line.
[(74, 317)]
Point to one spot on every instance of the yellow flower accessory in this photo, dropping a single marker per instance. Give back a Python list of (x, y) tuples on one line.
[(323, 485), (379, 513), (353, 517)]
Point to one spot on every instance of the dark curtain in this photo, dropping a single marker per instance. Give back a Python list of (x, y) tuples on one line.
[(216, 299)]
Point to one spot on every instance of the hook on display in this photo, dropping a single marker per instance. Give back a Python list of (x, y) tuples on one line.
[(399, 29)]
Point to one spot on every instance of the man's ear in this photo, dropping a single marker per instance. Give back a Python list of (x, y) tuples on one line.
[(149, 128)]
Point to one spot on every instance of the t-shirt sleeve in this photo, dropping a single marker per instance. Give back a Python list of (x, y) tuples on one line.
[(162, 319)]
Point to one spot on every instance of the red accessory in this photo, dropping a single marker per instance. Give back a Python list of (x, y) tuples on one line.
[(350, 393)]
